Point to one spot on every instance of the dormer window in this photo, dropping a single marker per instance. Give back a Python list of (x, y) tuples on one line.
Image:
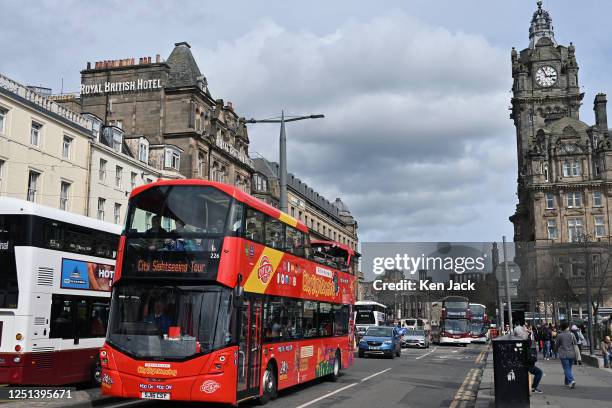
[(113, 137), (173, 158), (143, 150), (572, 168), (95, 129)]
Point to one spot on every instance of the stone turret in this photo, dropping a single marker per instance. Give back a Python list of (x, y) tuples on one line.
[(541, 27)]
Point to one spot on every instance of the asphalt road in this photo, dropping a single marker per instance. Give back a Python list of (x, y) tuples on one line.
[(441, 376), (419, 378)]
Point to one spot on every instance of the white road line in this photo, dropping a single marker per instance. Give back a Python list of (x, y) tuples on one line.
[(374, 375), (327, 395), (340, 390), (424, 355), (455, 351)]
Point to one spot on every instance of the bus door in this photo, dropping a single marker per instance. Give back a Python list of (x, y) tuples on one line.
[(249, 353)]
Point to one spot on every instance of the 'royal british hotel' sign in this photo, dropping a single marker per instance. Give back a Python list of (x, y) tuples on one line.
[(123, 86)]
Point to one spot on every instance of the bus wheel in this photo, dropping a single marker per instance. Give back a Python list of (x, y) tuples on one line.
[(269, 385), (96, 374), (337, 367)]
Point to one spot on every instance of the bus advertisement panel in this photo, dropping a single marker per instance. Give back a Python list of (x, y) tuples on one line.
[(217, 298), (77, 274)]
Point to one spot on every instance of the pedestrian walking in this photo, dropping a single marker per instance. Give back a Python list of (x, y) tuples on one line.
[(553, 337), (606, 350), (547, 339), (564, 344), (520, 330), (579, 341), (526, 333)]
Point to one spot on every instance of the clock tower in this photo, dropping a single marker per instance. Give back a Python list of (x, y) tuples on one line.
[(564, 183), (545, 86)]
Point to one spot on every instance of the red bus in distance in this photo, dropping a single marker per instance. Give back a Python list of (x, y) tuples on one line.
[(219, 297)]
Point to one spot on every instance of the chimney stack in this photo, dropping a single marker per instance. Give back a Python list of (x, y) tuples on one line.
[(601, 115)]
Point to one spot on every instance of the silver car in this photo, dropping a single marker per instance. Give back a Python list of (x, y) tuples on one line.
[(415, 338)]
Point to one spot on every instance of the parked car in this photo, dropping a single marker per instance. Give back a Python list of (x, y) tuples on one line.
[(381, 341), (415, 338)]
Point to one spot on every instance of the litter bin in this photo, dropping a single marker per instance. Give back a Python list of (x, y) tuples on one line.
[(510, 371)]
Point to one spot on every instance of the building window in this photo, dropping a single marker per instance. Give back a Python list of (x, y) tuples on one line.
[(600, 229), (33, 185), (575, 229), (102, 171), (597, 169), (64, 193), (66, 146), (572, 168), (35, 134), (173, 159), (118, 171), (550, 201), (201, 165), (132, 180), (118, 123), (293, 212), (574, 199), (117, 213), (1, 174), (96, 129), (261, 183), (552, 229), (545, 171), (3, 114), (101, 205), (143, 150), (566, 168), (597, 201)]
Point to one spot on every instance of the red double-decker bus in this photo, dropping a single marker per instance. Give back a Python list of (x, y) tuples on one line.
[(219, 297)]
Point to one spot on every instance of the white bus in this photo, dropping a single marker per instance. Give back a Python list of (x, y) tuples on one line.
[(369, 313), (56, 270)]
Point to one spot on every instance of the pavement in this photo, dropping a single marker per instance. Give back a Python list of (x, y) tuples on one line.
[(593, 387), (440, 376)]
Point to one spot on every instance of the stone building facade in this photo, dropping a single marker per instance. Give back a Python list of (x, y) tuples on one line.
[(43, 149), (562, 223), (169, 118), (326, 220)]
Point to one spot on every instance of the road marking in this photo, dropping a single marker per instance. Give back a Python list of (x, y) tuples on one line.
[(481, 356), (426, 354), (341, 389), (374, 375), (327, 395), (465, 393), (455, 351)]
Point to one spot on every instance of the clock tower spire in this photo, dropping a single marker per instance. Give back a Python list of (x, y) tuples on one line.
[(541, 27)]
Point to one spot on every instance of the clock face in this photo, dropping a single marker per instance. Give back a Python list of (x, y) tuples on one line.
[(546, 76)]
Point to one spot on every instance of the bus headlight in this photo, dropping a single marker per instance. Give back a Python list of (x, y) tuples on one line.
[(16, 359)]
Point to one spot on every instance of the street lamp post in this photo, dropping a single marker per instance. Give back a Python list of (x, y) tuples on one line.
[(283, 149)]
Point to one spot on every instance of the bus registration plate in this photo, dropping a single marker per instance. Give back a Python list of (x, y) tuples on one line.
[(155, 395)]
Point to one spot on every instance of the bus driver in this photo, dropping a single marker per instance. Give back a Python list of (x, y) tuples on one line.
[(159, 316)]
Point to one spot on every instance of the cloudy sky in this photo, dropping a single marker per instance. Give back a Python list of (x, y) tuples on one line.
[(416, 139)]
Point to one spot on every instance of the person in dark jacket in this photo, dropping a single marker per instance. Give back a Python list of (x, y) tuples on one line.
[(565, 343), (532, 359)]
